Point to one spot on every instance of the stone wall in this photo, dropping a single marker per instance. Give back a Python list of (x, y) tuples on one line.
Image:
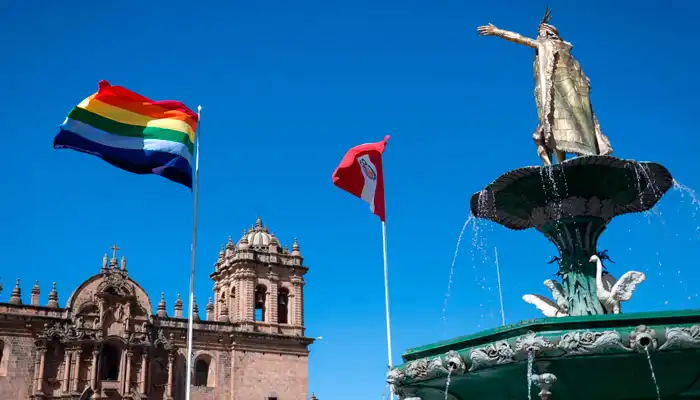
[(17, 367), (264, 375)]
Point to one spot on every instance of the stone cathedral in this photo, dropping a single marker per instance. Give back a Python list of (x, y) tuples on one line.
[(109, 342)]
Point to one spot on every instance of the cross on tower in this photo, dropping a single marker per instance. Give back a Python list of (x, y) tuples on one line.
[(114, 250)]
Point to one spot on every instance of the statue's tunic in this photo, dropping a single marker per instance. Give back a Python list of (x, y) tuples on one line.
[(567, 121)]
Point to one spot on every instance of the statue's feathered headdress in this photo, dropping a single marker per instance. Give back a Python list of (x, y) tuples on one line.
[(544, 25)]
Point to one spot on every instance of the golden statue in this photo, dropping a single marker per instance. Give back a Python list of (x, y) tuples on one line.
[(562, 93)]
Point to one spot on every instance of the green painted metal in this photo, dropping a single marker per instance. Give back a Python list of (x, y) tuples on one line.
[(576, 239), (593, 355), (613, 373)]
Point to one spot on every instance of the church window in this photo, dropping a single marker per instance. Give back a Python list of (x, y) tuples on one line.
[(201, 372), (283, 306), (260, 293), (111, 357)]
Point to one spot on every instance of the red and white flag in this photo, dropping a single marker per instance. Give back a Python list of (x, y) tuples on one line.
[(361, 174)]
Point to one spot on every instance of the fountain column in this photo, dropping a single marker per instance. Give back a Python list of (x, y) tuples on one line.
[(576, 239)]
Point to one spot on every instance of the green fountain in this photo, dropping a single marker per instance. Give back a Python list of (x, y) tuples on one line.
[(584, 348)]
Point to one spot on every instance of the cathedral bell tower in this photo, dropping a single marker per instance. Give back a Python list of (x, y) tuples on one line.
[(259, 285)]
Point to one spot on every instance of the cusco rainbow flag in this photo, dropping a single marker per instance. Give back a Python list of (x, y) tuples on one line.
[(133, 133)]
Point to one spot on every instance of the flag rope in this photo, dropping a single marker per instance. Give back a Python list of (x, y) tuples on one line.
[(386, 304), (190, 321)]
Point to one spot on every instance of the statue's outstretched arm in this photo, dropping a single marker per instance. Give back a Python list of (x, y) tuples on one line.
[(490, 30)]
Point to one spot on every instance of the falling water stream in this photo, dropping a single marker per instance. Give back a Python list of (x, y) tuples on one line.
[(447, 383), (452, 268), (530, 359), (653, 375)]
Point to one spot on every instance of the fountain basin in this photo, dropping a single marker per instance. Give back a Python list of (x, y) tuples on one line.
[(592, 357), (587, 186)]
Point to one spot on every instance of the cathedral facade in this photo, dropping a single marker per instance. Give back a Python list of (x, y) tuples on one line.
[(109, 342)]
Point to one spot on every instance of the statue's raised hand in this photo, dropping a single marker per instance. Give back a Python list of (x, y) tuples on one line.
[(487, 30)]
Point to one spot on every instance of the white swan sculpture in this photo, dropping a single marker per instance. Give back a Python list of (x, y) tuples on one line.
[(557, 308), (612, 292)]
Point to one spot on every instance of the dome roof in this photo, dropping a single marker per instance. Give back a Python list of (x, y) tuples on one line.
[(259, 236)]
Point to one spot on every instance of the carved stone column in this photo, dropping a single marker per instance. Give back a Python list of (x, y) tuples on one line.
[(144, 368), (249, 293), (272, 298), (127, 375), (233, 301), (66, 371), (239, 314), (77, 354), (39, 371), (297, 317), (169, 388), (93, 369), (217, 298)]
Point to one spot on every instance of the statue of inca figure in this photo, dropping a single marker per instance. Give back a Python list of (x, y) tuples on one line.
[(562, 93)]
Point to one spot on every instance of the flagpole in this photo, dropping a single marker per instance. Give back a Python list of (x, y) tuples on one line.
[(194, 258), (386, 304)]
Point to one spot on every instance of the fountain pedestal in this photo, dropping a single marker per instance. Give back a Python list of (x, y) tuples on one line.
[(576, 240), (589, 354), (571, 204)]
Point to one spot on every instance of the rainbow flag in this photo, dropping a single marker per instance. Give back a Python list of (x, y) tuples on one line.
[(133, 133)]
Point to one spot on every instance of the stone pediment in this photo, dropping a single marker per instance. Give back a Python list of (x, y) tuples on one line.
[(110, 287)]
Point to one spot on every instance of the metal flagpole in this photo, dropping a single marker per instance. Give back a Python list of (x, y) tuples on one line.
[(194, 257), (500, 292), (386, 303)]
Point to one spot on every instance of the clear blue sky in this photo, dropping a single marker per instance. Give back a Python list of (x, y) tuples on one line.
[(286, 89)]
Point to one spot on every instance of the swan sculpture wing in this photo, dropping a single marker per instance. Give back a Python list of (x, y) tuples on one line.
[(547, 306), (622, 291), (557, 293), (608, 282)]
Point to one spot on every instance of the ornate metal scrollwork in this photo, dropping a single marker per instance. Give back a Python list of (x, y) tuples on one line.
[(682, 338), (497, 353), (588, 342)]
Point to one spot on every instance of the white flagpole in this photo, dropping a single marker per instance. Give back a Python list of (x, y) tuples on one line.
[(500, 292), (386, 303), (194, 258)]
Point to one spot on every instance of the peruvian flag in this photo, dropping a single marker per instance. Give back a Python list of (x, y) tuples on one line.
[(361, 174)]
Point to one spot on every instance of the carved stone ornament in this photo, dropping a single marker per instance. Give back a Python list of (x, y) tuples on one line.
[(682, 338), (66, 332), (167, 343), (497, 353), (643, 339), (117, 280), (587, 342), (531, 342), (142, 336)]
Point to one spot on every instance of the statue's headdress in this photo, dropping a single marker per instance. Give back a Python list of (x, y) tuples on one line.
[(544, 25)]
